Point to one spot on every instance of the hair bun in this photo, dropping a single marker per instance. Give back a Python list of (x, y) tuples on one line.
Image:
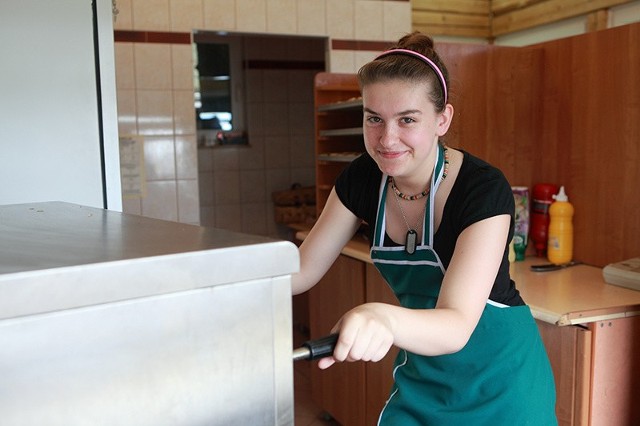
[(416, 41)]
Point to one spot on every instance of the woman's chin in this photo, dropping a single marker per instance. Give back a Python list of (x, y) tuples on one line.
[(389, 169)]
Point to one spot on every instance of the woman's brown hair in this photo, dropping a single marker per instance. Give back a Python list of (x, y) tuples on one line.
[(402, 66)]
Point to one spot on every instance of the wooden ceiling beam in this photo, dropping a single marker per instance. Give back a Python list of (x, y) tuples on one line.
[(448, 30), (501, 6), (469, 7)]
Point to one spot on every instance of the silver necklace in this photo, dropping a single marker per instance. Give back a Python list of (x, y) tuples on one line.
[(412, 235)]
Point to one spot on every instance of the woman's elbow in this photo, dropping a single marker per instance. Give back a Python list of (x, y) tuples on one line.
[(456, 345), (457, 340)]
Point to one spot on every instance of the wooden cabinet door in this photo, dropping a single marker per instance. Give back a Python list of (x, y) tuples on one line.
[(379, 375), (569, 351), (339, 390)]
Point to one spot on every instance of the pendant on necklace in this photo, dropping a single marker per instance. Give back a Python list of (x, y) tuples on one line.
[(410, 245)]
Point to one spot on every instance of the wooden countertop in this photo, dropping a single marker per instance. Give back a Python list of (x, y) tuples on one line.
[(574, 295)]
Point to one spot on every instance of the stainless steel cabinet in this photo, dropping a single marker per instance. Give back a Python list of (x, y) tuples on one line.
[(110, 319)]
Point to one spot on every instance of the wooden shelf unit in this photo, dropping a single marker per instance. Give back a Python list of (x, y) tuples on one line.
[(338, 123)]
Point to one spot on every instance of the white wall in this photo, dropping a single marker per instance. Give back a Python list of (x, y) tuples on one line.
[(49, 123)]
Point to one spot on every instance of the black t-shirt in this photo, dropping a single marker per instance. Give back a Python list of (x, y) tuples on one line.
[(479, 192)]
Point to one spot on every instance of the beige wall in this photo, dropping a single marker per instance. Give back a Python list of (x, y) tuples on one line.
[(155, 100)]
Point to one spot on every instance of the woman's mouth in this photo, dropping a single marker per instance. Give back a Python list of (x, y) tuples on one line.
[(391, 155)]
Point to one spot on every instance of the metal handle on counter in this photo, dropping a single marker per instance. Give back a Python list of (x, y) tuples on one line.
[(315, 349), (547, 267)]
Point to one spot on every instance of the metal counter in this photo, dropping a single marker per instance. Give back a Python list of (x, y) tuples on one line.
[(108, 318)]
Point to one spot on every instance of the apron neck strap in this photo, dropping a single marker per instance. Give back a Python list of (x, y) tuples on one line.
[(436, 178)]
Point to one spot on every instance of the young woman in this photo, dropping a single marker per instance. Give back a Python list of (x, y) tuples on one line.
[(440, 222)]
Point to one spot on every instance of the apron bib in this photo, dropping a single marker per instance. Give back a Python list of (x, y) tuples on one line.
[(501, 377)]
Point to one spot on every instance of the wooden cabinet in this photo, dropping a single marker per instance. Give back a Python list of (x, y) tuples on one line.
[(353, 393), (379, 375), (569, 353), (338, 123), (339, 390)]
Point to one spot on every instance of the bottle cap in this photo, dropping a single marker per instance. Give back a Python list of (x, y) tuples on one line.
[(561, 196)]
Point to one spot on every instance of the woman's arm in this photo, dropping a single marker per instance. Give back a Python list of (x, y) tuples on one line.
[(368, 331), (333, 229)]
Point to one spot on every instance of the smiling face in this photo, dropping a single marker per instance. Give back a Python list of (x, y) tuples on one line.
[(401, 128)]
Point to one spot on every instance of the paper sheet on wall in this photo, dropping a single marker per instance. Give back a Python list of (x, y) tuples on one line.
[(132, 166)]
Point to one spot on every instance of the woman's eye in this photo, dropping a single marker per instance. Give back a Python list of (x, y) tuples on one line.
[(407, 120), (373, 119)]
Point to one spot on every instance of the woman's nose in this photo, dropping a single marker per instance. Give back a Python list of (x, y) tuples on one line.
[(388, 135)]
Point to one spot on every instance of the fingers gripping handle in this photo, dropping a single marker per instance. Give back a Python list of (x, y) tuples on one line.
[(315, 349)]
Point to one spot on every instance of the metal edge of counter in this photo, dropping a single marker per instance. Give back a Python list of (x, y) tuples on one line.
[(55, 289)]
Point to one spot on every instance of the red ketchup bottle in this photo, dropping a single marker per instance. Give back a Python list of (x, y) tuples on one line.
[(541, 199)]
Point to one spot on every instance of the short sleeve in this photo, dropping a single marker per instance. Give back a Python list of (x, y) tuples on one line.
[(489, 196), (357, 187)]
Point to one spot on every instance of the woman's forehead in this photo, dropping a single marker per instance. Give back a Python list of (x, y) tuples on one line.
[(407, 95)]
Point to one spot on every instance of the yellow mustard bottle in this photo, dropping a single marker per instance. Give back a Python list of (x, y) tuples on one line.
[(560, 243)]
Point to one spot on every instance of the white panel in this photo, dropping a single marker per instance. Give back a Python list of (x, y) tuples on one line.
[(542, 33), (625, 14), (109, 103), (49, 133)]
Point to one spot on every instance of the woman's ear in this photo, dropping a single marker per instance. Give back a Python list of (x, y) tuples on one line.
[(444, 120)]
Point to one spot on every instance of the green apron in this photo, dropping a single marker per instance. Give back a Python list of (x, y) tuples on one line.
[(501, 377)]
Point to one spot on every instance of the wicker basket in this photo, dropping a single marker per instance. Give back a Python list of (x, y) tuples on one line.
[(295, 205)]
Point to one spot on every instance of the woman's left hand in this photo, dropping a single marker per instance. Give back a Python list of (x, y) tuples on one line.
[(366, 334)]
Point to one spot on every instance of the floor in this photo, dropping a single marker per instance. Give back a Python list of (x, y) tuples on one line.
[(306, 412)]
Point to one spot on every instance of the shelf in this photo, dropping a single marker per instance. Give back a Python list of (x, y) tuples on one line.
[(352, 131), (339, 133), (343, 105)]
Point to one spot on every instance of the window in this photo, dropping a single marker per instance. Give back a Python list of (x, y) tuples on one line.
[(219, 89)]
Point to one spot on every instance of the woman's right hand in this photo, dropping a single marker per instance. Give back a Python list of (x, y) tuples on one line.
[(365, 334)]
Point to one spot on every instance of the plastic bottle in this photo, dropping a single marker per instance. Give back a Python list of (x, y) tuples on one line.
[(541, 199), (560, 246), (521, 217)]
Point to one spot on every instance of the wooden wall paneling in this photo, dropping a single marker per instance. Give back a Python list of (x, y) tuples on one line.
[(475, 7), (591, 103), (502, 6), (503, 129), (571, 119), (495, 91), (598, 20), (501, 109), (467, 65), (595, 96), (468, 18), (527, 132), (454, 24)]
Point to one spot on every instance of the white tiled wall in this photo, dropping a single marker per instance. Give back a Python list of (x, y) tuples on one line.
[(231, 187), (371, 20), (236, 183), (155, 101)]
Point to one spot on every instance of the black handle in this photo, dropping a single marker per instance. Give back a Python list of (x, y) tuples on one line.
[(322, 347), (318, 348)]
